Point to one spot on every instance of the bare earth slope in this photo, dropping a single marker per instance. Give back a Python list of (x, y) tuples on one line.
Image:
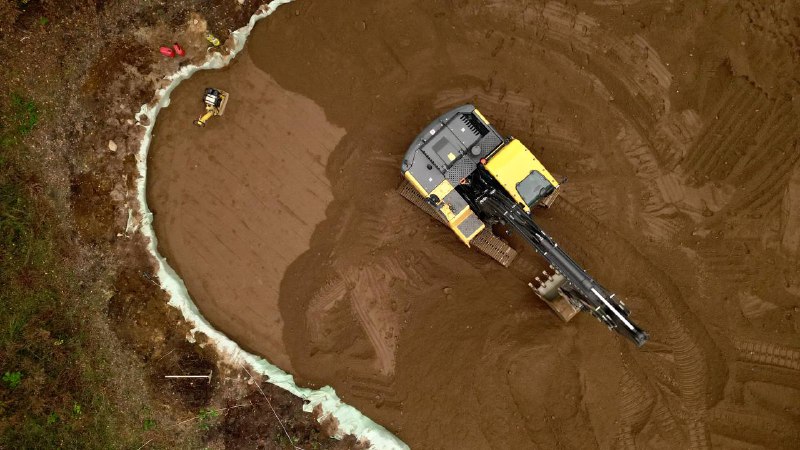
[(676, 127)]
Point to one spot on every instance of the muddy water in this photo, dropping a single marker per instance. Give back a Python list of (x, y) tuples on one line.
[(679, 142)]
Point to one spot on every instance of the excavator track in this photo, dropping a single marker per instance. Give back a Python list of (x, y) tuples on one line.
[(486, 241)]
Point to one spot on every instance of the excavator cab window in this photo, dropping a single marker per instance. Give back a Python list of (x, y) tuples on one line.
[(534, 187)]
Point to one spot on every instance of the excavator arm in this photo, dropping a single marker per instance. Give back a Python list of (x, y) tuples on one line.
[(580, 288)]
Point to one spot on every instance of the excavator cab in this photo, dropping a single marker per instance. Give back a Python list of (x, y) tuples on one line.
[(468, 176)]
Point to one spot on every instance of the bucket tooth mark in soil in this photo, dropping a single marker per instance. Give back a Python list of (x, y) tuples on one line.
[(370, 296), (790, 218), (661, 218), (326, 309), (748, 136), (380, 391), (769, 22), (590, 196), (632, 59), (727, 111), (763, 190), (728, 263), (773, 135), (566, 24), (674, 136), (626, 438), (726, 145)]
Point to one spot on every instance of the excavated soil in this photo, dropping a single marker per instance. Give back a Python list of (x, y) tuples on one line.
[(676, 126)]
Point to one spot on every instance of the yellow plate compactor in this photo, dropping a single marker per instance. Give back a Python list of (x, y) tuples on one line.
[(215, 101)]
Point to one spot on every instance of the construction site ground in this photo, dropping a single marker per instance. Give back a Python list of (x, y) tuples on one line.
[(675, 124)]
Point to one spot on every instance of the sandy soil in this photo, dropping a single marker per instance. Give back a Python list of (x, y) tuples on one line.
[(230, 218), (676, 127)]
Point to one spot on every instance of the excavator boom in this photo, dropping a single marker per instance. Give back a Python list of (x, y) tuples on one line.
[(581, 289)]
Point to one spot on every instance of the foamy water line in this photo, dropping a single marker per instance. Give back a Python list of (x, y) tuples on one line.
[(351, 421)]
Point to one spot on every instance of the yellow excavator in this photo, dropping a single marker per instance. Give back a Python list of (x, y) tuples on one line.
[(468, 176), (215, 101)]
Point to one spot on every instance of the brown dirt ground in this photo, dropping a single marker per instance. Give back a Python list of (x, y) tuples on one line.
[(676, 125)]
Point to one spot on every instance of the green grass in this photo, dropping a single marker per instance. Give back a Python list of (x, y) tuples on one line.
[(12, 379), (148, 424), (23, 117), (207, 418)]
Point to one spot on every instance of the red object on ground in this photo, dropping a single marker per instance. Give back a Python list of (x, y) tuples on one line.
[(168, 52), (179, 50)]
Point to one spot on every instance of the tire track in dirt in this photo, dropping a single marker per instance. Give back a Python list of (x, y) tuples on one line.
[(781, 401), (365, 290), (790, 219), (738, 114), (691, 347), (751, 145), (745, 426), (768, 353), (660, 216), (747, 372), (636, 405)]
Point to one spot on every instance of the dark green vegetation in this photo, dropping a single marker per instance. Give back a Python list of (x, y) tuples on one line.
[(49, 395)]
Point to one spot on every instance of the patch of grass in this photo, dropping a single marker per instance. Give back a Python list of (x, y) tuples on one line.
[(24, 114), (50, 393), (12, 379), (207, 418), (20, 119), (148, 424)]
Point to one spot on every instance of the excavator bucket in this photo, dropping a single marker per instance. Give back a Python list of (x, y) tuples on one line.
[(549, 290), (225, 96), (550, 199)]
